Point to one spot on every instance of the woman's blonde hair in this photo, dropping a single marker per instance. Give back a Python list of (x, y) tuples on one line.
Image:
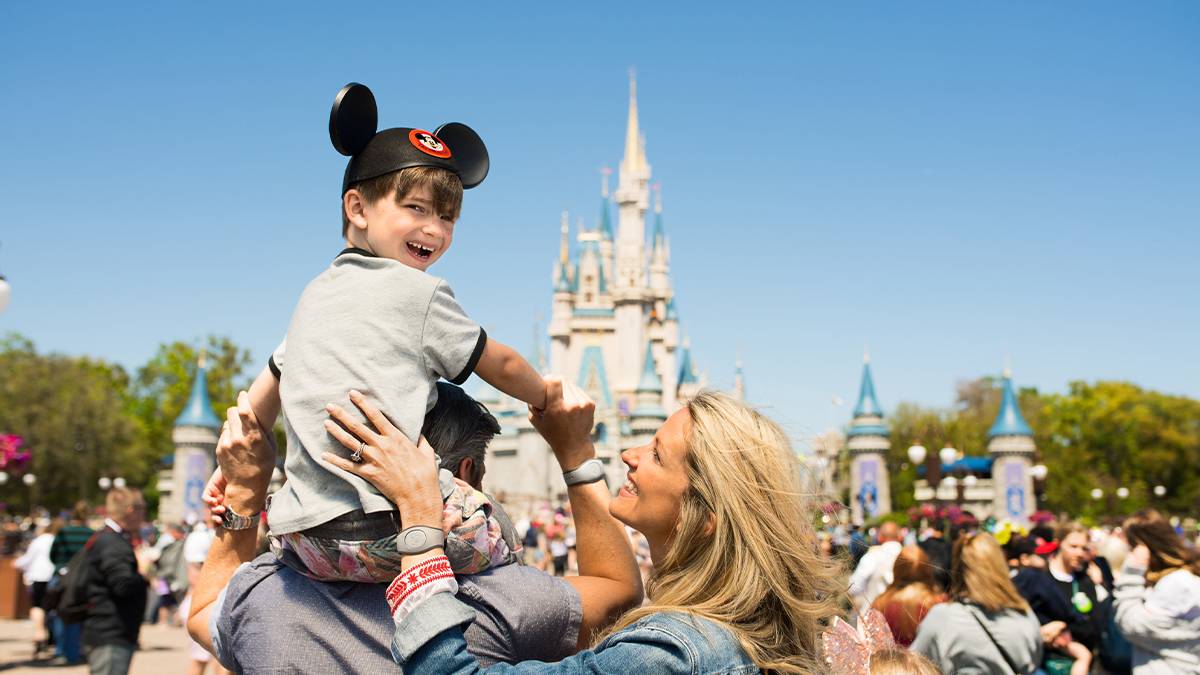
[(1168, 552), (979, 574), (759, 571)]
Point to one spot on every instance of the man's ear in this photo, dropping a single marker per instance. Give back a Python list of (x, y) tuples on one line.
[(468, 472), (353, 205)]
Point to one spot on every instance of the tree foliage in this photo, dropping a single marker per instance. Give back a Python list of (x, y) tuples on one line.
[(82, 418), (73, 415)]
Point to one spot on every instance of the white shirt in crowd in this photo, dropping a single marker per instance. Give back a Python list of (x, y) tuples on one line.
[(35, 563), (873, 574)]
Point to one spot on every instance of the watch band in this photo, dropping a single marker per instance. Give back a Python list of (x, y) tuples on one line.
[(233, 521), (419, 539), (588, 472)]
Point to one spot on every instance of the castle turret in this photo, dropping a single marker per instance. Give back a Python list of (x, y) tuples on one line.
[(689, 381), (870, 493), (739, 381), (629, 287), (196, 432), (1010, 443), (560, 315), (606, 229), (648, 413)]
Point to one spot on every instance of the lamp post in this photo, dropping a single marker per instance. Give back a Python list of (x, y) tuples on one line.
[(105, 483), (1160, 491), (1038, 473), (918, 454), (1122, 492), (30, 480)]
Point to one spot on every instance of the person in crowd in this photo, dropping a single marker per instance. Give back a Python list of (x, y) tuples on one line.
[(728, 593), (874, 572), (987, 627), (521, 613), (1065, 601), (911, 595), (938, 550), (116, 592), (38, 570), (1158, 597), (559, 550), (170, 574), (69, 541)]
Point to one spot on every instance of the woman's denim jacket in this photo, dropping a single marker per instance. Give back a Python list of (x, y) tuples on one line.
[(430, 641)]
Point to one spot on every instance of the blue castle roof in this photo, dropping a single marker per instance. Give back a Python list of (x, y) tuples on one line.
[(606, 230), (867, 405), (564, 279), (593, 367), (972, 465), (659, 236), (650, 381), (672, 312), (1009, 421), (198, 412), (687, 374)]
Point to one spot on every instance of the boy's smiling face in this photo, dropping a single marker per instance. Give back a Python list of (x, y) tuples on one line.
[(406, 229)]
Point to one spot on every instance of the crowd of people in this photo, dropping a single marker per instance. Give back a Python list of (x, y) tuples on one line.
[(138, 573)]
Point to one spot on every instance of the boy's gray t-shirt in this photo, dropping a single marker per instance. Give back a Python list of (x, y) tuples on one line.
[(378, 326)]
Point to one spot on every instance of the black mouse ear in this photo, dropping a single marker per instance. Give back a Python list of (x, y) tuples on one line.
[(469, 153), (353, 120)]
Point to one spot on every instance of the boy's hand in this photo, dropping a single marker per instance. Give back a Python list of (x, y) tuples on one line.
[(566, 422), (214, 495)]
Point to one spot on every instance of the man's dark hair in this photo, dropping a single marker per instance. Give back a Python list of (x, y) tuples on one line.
[(459, 427)]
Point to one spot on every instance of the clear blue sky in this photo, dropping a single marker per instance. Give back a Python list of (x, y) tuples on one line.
[(949, 183)]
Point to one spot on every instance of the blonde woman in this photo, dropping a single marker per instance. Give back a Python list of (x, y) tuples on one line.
[(1158, 597), (738, 584), (988, 627)]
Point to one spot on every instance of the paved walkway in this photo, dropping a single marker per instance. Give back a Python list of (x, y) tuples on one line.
[(163, 652)]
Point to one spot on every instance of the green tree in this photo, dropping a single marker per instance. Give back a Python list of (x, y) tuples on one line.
[(73, 415)]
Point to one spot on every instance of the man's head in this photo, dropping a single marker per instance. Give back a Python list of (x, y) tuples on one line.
[(889, 531), (126, 508), (459, 428), (406, 215)]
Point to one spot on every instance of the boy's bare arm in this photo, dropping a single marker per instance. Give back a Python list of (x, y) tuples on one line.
[(264, 398), (503, 368)]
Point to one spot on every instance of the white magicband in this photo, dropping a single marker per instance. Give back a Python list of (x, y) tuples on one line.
[(588, 472), (419, 539)]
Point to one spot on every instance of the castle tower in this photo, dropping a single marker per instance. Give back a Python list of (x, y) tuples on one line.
[(648, 415), (1010, 443), (739, 381), (868, 444), (560, 314), (629, 284), (196, 432), (689, 380)]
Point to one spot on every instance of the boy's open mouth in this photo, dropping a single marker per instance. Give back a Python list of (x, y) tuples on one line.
[(420, 251)]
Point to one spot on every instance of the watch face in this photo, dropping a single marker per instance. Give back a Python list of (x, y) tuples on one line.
[(415, 539)]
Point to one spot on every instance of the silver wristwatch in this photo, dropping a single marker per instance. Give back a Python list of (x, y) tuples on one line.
[(588, 472), (419, 539), (232, 521)]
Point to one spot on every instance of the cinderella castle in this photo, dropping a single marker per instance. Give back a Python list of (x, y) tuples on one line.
[(614, 327)]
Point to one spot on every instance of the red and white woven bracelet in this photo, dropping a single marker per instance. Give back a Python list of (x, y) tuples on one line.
[(408, 590)]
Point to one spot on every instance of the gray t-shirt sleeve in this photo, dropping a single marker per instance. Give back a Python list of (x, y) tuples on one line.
[(275, 363), (450, 341)]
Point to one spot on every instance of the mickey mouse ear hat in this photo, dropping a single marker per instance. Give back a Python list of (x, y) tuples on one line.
[(352, 129)]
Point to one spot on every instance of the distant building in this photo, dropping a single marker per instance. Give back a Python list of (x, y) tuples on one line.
[(196, 432), (868, 445)]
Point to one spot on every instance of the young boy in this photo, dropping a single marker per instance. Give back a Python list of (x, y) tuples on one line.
[(376, 322)]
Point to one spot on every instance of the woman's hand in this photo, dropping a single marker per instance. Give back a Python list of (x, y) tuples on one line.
[(406, 474), (566, 422)]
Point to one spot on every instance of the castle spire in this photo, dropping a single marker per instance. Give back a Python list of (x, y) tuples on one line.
[(198, 411), (659, 236), (1009, 421), (564, 247), (633, 137), (739, 380), (867, 405), (650, 381)]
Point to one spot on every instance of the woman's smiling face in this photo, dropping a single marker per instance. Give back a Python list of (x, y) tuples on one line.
[(650, 498)]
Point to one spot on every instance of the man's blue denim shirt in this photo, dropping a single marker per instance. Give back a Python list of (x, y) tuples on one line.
[(430, 641)]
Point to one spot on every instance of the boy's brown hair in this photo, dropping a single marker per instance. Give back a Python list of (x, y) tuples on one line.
[(444, 186)]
